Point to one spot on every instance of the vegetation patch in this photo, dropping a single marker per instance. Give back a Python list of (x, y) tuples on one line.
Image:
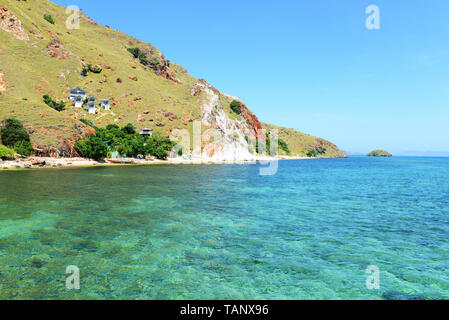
[(58, 106), (126, 141), (316, 152), (139, 54), (268, 150), (49, 18), (6, 153)]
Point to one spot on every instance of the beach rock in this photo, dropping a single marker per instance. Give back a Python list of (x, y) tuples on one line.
[(134, 78)]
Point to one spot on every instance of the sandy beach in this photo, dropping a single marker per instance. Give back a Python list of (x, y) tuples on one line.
[(40, 162)]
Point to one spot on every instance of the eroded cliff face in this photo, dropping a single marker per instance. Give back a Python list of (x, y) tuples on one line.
[(224, 138)]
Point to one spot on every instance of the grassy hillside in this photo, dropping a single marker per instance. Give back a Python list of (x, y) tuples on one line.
[(37, 58), (300, 143)]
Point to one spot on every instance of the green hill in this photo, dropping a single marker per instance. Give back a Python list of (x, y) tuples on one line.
[(40, 58)]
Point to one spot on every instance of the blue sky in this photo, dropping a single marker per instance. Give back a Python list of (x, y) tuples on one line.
[(311, 65)]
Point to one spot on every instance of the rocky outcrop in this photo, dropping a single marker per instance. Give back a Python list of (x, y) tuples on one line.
[(226, 139), (10, 23), (252, 120), (55, 49), (2, 82), (161, 67)]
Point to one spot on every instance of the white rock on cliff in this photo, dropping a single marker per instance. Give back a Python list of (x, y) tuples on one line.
[(227, 142)]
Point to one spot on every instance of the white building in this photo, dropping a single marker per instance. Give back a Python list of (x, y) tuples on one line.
[(146, 132), (91, 108), (77, 92), (92, 105), (106, 104), (78, 102)]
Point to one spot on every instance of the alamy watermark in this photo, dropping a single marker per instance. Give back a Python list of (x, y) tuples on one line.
[(373, 20), (373, 279), (72, 282), (73, 20)]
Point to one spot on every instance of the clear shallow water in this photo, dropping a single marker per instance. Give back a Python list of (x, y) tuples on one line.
[(224, 232)]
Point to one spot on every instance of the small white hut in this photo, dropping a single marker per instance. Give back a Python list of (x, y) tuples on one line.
[(78, 102), (106, 104)]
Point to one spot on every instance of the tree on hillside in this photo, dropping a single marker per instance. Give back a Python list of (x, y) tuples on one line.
[(15, 136), (129, 129), (13, 132), (92, 147)]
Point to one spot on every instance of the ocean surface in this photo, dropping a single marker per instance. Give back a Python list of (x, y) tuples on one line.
[(225, 232)]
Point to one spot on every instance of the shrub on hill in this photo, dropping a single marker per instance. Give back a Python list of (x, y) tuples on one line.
[(236, 107), (58, 106), (318, 151), (85, 72), (139, 54), (49, 18), (94, 69)]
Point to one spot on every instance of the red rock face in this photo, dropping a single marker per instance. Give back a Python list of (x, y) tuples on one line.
[(253, 122)]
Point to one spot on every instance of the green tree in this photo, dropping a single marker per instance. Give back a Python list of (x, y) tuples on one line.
[(92, 147), (129, 129), (112, 126), (13, 132)]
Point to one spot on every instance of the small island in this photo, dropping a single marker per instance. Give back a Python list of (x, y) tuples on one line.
[(379, 153)]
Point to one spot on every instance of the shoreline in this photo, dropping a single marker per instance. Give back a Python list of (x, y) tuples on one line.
[(47, 163)]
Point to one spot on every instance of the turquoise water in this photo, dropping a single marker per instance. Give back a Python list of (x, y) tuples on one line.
[(224, 232)]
